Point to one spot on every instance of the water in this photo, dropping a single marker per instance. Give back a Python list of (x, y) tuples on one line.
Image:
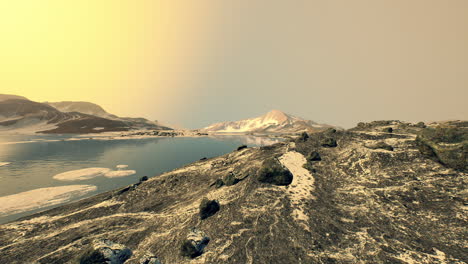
[(34, 160)]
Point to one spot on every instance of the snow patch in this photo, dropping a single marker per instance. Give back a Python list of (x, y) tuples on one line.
[(302, 185), (42, 197), (119, 167), (99, 128), (4, 163)]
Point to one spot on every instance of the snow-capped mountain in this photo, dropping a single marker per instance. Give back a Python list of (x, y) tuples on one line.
[(273, 121)]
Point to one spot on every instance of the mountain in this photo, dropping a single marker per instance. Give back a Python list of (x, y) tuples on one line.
[(365, 195), (96, 110), (81, 107), (19, 115), (273, 121)]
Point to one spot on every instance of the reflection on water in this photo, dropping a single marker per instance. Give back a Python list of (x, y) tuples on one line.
[(33, 165)]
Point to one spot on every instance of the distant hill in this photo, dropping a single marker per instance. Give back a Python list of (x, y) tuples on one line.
[(273, 121), (81, 107), (19, 115), (4, 97)]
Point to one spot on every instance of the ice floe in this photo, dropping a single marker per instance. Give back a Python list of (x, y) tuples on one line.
[(89, 173), (41, 198), (83, 174), (119, 173)]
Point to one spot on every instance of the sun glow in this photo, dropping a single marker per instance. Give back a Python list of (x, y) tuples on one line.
[(101, 51)]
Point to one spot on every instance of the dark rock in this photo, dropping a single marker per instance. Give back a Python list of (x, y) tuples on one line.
[(106, 251), (314, 156), (380, 145), (204, 158), (446, 145), (330, 131), (195, 243), (387, 130), (208, 208), (303, 137), (144, 178), (241, 147), (273, 172), (329, 143)]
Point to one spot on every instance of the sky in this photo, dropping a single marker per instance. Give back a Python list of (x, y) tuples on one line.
[(193, 63)]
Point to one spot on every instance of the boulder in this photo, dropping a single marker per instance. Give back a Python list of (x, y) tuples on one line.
[(241, 147), (303, 137), (230, 179), (106, 251), (314, 156), (446, 145), (149, 259), (274, 173), (195, 243), (329, 143), (144, 178), (208, 208)]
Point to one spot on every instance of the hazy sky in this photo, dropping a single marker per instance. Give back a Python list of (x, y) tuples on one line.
[(192, 63)]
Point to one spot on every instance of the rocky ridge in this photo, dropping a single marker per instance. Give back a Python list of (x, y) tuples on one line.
[(348, 202)]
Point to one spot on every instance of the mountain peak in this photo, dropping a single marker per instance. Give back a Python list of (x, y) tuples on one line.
[(276, 115)]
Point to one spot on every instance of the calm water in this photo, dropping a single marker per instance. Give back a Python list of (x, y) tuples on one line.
[(32, 165)]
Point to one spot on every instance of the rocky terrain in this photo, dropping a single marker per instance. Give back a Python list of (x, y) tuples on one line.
[(18, 114), (383, 192), (274, 121)]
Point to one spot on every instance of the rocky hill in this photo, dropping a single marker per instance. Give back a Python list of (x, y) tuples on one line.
[(81, 107), (274, 121), (17, 114), (383, 192)]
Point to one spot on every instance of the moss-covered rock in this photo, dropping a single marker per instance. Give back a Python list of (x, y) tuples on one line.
[(314, 156), (230, 179), (208, 208), (273, 172), (195, 243), (329, 143), (446, 145)]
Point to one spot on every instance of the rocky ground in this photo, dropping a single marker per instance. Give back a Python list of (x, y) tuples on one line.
[(377, 193)]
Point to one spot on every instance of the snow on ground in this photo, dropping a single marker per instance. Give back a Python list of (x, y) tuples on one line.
[(119, 167), (42, 197), (83, 174), (4, 163), (119, 173), (98, 128), (302, 185)]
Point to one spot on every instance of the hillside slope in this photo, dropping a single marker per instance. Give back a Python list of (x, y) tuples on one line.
[(367, 195)]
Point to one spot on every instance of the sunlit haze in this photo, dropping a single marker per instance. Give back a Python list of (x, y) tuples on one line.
[(192, 63)]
